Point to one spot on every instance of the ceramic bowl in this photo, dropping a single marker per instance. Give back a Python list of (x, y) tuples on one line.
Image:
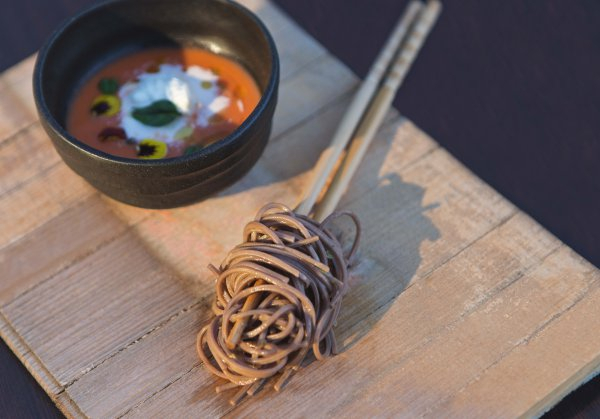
[(85, 43)]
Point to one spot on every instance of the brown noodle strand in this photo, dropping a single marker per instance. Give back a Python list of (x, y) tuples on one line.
[(278, 296)]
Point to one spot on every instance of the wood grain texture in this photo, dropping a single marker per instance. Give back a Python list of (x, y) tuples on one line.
[(457, 292)]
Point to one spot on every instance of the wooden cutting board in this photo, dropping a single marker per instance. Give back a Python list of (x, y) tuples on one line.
[(462, 305)]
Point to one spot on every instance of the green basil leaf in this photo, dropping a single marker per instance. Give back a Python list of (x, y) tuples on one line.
[(108, 86), (157, 114)]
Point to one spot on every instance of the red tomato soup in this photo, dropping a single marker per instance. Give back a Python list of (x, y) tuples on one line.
[(162, 103)]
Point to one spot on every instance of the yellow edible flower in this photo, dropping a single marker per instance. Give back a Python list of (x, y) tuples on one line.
[(106, 105), (151, 149)]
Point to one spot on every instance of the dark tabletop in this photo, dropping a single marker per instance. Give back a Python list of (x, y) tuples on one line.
[(511, 88)]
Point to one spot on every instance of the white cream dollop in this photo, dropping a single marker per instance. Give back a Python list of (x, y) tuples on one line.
[(194, 92)]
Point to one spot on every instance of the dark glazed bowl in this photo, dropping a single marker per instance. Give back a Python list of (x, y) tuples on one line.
[(106, 31)]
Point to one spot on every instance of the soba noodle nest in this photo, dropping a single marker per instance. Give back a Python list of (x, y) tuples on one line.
[(278, 295)]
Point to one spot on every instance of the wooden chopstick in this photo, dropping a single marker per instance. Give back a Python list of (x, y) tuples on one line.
[(357, 107), (378, 108)]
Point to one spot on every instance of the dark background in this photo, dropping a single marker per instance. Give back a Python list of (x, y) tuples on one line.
[(511, 88)]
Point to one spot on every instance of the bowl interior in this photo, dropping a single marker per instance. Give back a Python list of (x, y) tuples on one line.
[(111, 30)]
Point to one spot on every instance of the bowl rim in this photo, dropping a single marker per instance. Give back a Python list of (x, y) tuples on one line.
[(202, 154)]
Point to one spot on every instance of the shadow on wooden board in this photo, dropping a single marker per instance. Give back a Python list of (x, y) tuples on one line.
[(390, 200), (370, 276)]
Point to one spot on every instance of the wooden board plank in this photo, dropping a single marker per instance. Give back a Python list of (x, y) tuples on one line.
[(130, 378), (550, 356), (15, 116), (306, 93), (17, 106), (29, 359), (38, 256), (42, 198), (20, 73), (456, 288), (24, 156), (457, 355), (122, 293)]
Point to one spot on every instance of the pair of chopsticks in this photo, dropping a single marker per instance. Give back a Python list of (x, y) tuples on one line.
[(368, 108)]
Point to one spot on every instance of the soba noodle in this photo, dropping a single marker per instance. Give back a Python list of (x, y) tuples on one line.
[(278, 295)]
